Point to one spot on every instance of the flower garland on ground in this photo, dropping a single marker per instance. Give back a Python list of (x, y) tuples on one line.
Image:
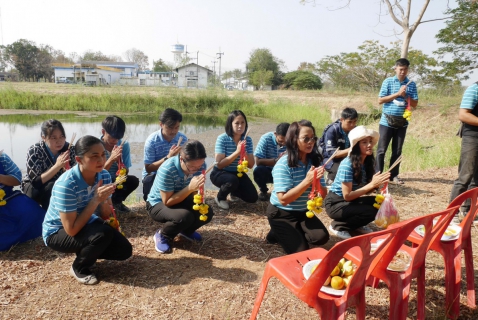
[(314, 204), (199, 204)]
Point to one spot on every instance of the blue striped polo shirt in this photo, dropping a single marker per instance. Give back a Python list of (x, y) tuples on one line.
[(286, 178), (267, 147), (10, 167), (156, 147), (390, 86), (125, 157), (70, 194), (170, 177), (345, 173), (470, 97), (225, 145)]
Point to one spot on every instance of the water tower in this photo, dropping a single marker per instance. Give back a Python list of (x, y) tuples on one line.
[(177, 50)]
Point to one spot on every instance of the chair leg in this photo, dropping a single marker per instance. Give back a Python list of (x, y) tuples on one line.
[(470, 276), (396, 299), (421, 293), (452, 286), (260, 294), (360, 305)]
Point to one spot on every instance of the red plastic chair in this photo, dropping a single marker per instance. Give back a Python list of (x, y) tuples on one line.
[(451, 252), (399, 282), (288, 270)]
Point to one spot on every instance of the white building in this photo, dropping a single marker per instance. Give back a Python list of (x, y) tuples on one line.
[(151, 78), (95, 72), (193, 76)]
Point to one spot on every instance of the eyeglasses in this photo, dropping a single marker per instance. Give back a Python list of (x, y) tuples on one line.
[(307, 139), (192, 169)]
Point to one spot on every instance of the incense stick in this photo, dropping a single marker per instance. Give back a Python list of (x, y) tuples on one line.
[(179, 141), (332, 156), (247, 133), (73, 136), (1, 151), (210, 168), (119, 180), (123, 141), (395, 163)]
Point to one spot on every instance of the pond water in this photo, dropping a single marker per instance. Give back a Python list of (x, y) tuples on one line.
[(19, 132)]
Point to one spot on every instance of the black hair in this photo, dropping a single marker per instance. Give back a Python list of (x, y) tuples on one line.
[(349, 113), (369, 164), (291, 144), (48, 126), (170, 117), (114, 126), (84, 144), (193, 150), (402, 62), (282, 128), (230, 118)]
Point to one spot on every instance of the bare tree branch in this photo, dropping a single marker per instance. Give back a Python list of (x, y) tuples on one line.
[(420, 15), (392, 14)]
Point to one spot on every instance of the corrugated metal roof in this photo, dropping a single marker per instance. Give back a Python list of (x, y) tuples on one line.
[(110, 63)]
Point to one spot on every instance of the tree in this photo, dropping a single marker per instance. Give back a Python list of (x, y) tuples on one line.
[(460, 39), (263, 60), (90, 55), (400, 16), (302, 80), (22, 55), (306, 66), (261, 78), (137, 56), (237, 73), (162, 66), (227, 74)]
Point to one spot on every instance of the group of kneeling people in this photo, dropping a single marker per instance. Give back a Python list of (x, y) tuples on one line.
[(80, 200)]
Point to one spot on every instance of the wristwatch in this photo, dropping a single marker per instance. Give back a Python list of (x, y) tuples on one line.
[(165, 158)]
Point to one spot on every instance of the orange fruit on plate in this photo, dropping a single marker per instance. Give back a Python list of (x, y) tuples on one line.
[(337, 283)]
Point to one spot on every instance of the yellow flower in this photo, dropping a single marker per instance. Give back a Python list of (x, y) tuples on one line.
[(376, 205)]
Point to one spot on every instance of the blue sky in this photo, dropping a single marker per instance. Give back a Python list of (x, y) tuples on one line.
[(293, 32)]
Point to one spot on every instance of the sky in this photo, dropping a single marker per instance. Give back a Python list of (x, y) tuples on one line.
[(293, 32)]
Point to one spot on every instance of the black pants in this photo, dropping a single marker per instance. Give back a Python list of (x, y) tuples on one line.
[(230, 183), (263, 176), (398, 138), (332, 172), (96, 240), (129, 186), (467, 169), (42, 195), (349, 215), (178, 218), (147, 184), (294, 231)]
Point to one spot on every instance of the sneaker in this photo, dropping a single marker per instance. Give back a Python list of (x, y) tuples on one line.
[(270, 239), (397, 180), (340, 234), (161, 243), (84, 279), (233, 198), (456, 220), (364, 229), (222, 204), (121, 207), (263, 196), (195, 236)]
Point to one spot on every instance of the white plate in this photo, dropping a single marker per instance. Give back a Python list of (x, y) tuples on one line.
[(452, 228), (307, 271)]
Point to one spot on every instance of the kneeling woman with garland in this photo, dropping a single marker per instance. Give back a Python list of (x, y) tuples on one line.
[(80, 204)]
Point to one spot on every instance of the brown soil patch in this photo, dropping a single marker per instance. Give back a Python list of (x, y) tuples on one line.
[(216, 279)]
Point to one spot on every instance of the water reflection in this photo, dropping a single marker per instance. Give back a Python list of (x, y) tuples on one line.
[(19, 132)]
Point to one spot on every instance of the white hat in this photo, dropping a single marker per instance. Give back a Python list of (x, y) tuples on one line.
[(359, 133)]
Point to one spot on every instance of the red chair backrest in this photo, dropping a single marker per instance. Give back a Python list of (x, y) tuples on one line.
[(312, 287), (466, 223), (432, 232)]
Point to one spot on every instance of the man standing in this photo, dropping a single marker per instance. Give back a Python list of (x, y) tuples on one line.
[(468, 167), (395, 95), (335, 136), (270, 148)]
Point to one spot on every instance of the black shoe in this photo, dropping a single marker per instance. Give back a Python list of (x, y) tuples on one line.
[(263, 196), (121, 207), (271, 239)]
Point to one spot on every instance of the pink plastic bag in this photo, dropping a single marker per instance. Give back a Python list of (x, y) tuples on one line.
[(388, 213)]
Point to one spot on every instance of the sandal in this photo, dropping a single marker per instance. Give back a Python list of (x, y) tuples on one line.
[(397, 180)]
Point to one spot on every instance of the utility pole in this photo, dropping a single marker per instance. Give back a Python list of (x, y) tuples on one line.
[(214, 72), (197, 70), (220, 55)]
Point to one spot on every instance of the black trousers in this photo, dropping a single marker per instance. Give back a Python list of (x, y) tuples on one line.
[(129, 186), (349, 215), (332, 172), (96, 240), (294, 231), (230, 183), (42, 195), (263, 176), (398, 138), (147, 184), (178, 218)]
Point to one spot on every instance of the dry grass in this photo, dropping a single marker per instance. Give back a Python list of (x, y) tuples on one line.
[(216, 279)]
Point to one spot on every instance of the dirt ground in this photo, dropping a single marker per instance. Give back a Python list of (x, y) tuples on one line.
[(215, 279)]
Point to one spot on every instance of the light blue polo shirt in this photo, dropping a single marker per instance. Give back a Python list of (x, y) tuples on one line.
[(267, 147), (286, 178), (170, 177), (225, 145), (10, 167), (470, 97), (70, 194), (345, 173), (156, 147), (390, 86), (125, 157)]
